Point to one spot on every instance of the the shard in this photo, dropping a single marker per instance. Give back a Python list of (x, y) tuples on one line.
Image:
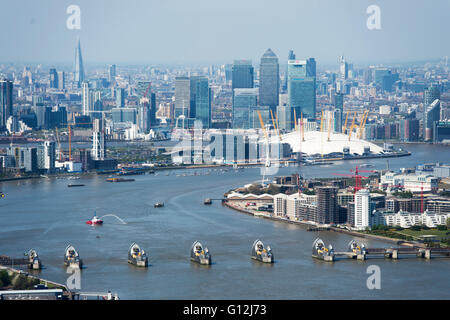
[(79, 70)]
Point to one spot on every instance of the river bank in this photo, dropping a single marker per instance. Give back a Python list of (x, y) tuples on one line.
[(333, 229)]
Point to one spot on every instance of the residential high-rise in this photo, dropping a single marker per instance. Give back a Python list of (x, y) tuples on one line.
[(203, 102), (242, 74), (327, 207), (53, 77), (6, 102), (244, 101), (98, 140), (79, 69), (301, 89), (431, 115), (86, 100), (269, 80), (46, 154), (291, 56), (182, 96), (362, 209)]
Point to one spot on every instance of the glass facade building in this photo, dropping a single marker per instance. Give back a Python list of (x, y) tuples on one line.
[(244, 101), (242, 74), (203, 101), (301, 89), (269, 80)]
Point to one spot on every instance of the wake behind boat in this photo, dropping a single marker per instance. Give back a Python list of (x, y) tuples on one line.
[(199, 254), (137, 256), (72, 259), (260, 253)]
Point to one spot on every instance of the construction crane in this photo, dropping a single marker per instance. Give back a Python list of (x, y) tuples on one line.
[(344, 128), (295, 121), (302, 127), (59, 144), (351, 127), (278, 124), (356, 176), (262, 124), (363, 123)]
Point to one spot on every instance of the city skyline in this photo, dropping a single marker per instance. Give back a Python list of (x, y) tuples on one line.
[(176, 40)]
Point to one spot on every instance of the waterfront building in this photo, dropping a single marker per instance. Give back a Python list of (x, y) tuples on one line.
[(409, 182), (98, 140), (6, 102), (407, 219), (46, 156), (269, 80), (244, 101), (242, 74), (441, 131), (327, 208), (362, 210), (431, 115), (409, 129)]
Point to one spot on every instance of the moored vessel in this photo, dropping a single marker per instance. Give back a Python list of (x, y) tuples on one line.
[(207, 201), (72, 258), (200, 254), (137, 256), (159, 204), (261, 253)]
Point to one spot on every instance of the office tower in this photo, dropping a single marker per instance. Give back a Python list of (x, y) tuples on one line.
[(120, 97), (430, 94), (111, 72), (379, 74), (6, 101), (301, 90), (244, 101), (192, 95), (343, 68), (311, 67), (264, 111), (228, 72), (203, 102), (53, 76), (339, 100), (362, 209), (431, 115), (144, 115), (79, 69), (91, 101), (182, 96), (61, 80), (291, 56), (269, 80), (242, 74), (337, 120), (327, 207), (285, 121), (98, 140)]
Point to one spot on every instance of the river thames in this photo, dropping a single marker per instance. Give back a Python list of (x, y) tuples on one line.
[(46, 215)]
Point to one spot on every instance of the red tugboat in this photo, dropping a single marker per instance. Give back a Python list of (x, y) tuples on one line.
[(95, 221)]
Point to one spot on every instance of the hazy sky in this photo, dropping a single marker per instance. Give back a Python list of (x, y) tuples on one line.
[(206, 31)]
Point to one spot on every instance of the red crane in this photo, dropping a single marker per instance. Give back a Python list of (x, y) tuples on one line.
[(357, 177)]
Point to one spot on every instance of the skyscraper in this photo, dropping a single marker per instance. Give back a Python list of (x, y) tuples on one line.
[(120, 97), (244, 101), (203, 102), (86, 101), (6, 102), (111, 72), (79, 69), (431, 115), (327, 208), (61, 80), (362, 209), (53, 77), (269, 80), (98, 140), (182, 96), (291, 56), (242, 74), (343, 68), (301, 89)]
